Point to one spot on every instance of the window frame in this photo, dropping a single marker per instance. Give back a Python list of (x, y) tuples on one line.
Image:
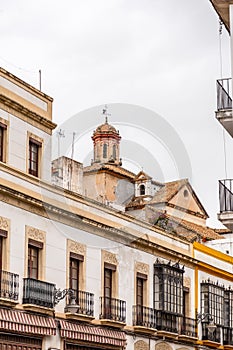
[(3, 141), (168, 287)]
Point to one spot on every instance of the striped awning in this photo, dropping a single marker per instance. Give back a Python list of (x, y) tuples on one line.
[(23, 322), (93, 334)]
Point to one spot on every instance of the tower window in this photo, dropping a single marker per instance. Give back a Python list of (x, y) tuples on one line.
[(142, 190), (114, 152), (105, 150)]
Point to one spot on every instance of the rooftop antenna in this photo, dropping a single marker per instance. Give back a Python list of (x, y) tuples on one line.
[(105, 113), (60, 134), (40, 79), (72, 151)]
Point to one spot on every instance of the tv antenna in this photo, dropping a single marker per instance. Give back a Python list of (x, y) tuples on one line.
[(60, 134)]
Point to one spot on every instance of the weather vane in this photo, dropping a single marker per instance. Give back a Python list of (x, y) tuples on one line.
[(105, 113)]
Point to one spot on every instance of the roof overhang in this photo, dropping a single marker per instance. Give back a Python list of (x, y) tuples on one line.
[(222, 9)]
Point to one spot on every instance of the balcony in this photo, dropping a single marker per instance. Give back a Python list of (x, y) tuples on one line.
[(38, 293), (85, 301), (113, 309), (227, 336), (9, 285), (224, 104), (209, 336), (226, 203), (167, 322), (144, 317), (188, 327)]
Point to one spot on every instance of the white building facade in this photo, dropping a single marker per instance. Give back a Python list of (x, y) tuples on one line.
[(137, 282)]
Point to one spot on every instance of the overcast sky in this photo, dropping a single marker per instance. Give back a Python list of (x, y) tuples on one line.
[(162, 56)]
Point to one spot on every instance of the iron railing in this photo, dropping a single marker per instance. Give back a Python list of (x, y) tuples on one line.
[(113, 309), (144, 316), (38, 292), (85, 301), (9, 285), (227, 336), (226, 195), (167, 321), (213, 336), (224, 100), (188, 327)]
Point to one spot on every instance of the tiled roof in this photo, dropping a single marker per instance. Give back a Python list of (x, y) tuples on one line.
[(110, 167), (189, 230), (168, 191)]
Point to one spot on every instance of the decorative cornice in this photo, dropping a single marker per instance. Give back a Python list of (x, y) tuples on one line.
[(109, 257), (7, 102), (35, 233), (4, 223), (76, 247), (142, 267)]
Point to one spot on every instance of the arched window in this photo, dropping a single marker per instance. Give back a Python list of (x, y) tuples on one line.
[(105, 150), (114, 152), (142, 190)]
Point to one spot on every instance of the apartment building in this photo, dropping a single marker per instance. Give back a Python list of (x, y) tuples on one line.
[(98, 257)]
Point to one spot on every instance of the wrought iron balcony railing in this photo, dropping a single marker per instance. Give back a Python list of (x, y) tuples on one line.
[(113, 309), (226, 195), (213, 336), (85, 301), (144, 316), (167, 321), (227, 336), (38, 292), (224, 100), (9, 285), (188, 327)]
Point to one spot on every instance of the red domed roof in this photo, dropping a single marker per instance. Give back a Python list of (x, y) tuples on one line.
[(105, 129)]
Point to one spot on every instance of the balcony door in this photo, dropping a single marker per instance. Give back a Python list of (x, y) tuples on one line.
[(33, 262), (74, 276), (139, 299), (107, 292)]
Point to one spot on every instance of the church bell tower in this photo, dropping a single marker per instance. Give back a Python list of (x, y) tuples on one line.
[(106, 141)]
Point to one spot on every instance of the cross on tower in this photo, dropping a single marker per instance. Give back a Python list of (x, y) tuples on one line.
[(105, 113)]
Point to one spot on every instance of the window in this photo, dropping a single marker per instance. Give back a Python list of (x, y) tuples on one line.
[(142, 190), (105, 150), (34, 157), (212, 303), (34, 249), (114, 152), (107, 292), (2, 142), (140, 285), (75, 273), (168, 288)]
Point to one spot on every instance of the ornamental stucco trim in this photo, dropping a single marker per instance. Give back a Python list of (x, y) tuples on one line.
[(163, 346), (4, 223), (109, 257), (142, 267), (36, 234), (141, 345)]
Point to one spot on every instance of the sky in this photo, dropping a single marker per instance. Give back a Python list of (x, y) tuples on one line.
[(153, 62)]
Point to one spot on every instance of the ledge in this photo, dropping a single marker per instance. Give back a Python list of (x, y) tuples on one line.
[(167, 334), (8, 302), (188, 338), (79, 317), (38, 309), (210, 343), (146, 330), (228, 347), (109, 323)]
